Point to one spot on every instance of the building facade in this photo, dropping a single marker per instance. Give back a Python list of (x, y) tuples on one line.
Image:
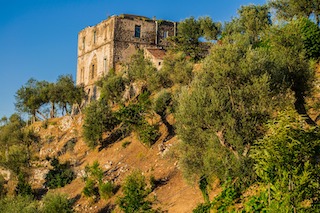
[(112, 42)]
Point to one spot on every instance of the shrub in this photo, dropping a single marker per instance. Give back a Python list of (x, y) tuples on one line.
[(24, 204), (202, 208), (23, 188), (53, 203), (148, 134), (60, 175), (106, 190), (94, 186), (135, 193), (162, 102), (112, 87), (98, 119), (90, 189)]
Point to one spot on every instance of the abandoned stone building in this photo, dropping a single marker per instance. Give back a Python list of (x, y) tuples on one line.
[(111, 43)]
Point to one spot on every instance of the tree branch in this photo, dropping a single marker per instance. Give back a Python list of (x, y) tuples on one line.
[(224, 143)]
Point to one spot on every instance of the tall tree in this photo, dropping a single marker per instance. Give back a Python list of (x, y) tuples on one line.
[(190, 31), (289, 9), (223, 111), (252, 20), (30, 97)]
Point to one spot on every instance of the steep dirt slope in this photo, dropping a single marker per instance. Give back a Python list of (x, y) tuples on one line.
[(62, 138)]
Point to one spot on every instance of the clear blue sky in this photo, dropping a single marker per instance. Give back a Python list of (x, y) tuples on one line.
[(38, 38)]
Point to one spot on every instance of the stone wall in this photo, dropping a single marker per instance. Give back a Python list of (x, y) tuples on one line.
[(112, 42)]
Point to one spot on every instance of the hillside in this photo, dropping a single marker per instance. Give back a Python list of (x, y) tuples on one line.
[(172, 194)]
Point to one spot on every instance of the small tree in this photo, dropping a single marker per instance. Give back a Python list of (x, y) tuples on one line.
[(135, 193), (23, 188), (60, 175), (98, 119), (53, 203)]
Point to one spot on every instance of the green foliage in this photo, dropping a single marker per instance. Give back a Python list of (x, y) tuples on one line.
[(106, 190), (254, 19), (177, 69), (36, 94), (23, 204), (223, 111), (23, 188), (98, 119), (31, 97), (148, 134), (202, 208), (286, 158), (190, 31), (210, 30), (257, 203), (112, 87), (131, 115), (291, 9), (94, 172), (68, 93), (60, 175), (94, 185), (141, 69), (223, 202), (162, 102), (135, 193), (310, 35), (53, 203), (90, 189)]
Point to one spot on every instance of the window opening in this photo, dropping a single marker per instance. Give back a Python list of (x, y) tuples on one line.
[(137, 31)]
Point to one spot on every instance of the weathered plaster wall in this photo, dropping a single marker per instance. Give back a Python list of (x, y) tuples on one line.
[(95, 47)]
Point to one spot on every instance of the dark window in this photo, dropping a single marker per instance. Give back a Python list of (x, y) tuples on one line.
[(137, 31), (92, 72), (94, 36)]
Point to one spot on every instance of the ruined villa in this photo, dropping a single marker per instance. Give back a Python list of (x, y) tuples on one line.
[(111, 43)]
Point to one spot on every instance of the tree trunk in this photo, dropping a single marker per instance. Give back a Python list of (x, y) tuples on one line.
[(52, 111), (224, 143)]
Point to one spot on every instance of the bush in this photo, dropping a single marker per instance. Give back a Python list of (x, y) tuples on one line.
[(94, 186), (202, 208), (177, 68), (60, 175), (98, 119), (112, 87), (23, 204), (135, 193), (53, 203), (148, 134), (90, 189), (162, 102), (106, 190), (23, 188)]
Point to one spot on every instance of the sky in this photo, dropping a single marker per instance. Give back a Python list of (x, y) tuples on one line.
[(38, 38)]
